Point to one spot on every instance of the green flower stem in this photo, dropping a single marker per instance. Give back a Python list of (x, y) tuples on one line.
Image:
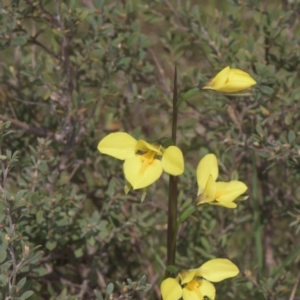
[(173, 190)]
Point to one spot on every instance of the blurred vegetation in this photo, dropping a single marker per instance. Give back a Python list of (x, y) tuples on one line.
[(73, 71)]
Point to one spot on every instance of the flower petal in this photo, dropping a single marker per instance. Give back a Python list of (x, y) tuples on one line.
[(145, 147), (207, 166), (217, 269), (219, 80), (238, 80), (209, 193), (187, 276), (170, 289), (229, 191), (225, 204), (188, 294), (172, 161), (120, 145), (207, 289), (141, 174)]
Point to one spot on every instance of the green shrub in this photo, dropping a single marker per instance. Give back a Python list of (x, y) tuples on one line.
[(73, 71)]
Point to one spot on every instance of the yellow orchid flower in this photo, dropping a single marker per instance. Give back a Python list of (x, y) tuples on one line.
[(230, 81), (195, 284), (212, 192), (142, 165)]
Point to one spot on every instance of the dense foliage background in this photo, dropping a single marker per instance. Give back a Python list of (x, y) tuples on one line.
[(73, 71)]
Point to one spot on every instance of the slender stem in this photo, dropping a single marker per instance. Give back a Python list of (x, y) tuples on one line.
[(175, 100), (173, 192), (294, 290)]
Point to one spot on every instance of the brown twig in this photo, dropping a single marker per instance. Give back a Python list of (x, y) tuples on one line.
[(35, 42), (38, 131), (294, 290)]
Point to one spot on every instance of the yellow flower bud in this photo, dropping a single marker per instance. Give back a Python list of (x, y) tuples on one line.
[(230, 81)]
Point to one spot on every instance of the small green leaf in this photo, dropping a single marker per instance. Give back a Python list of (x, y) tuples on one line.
[(266, 90), (190, 210), (40, 271), (147, 287), (21, 283), (47, 94), (19, 41), (131, 284), (39, 217), (58, 32), (143, 280), (172, 269), (79, 252), (3, 279), (190, 93), (84, 14), (98, 295), (91, 240), (291, 136), (144, 195), (3, 255), (7, 124), (72, 4), (3, 157), (127, 188), (99, 3), (109, 290), (26, 295), (50, 245), (260, 131), (8, 153), (166, 142), (5, 266), (19, 195), (124, 62), (288, 119)]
